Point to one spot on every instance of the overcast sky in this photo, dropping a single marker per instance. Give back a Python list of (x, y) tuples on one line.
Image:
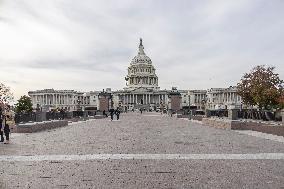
[(88, 45)]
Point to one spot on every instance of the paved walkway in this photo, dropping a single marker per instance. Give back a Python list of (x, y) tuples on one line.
[(141, 151)]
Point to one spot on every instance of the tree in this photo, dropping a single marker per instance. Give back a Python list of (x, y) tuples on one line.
[(261, 87), (6, 96), (24, 104)]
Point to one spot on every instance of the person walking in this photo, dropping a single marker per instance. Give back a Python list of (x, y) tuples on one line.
[(1, 122), (7, 123), (104, 113), (117, 113), (111, 111)]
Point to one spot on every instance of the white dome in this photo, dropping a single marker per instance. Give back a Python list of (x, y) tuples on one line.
[(141, 72)]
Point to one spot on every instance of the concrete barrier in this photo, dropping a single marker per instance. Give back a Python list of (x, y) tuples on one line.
[(182, 116), (99, 116), (39, 126), (275, 128), (198, 117)]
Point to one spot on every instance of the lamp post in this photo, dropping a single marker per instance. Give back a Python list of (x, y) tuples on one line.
[(84, 101), (111, 101), (78, 101)]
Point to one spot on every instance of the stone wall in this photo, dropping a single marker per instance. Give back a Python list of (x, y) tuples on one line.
[(265, 127), (104, 103), (217, 123), (182, 116), (39, 126), (197, 117), (259, 126)]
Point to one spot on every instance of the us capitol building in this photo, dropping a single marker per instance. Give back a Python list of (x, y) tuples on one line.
[(142, 91)]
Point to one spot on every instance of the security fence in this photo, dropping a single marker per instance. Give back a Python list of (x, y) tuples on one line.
[(56, 115), (219, 113), (25, 117), (259, 115)]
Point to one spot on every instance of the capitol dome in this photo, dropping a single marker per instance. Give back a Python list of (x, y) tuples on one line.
[(141, 72)]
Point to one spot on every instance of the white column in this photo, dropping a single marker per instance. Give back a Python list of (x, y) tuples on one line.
[(136, 98), (145, 97)]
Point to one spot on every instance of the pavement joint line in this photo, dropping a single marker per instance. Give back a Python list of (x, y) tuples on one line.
[(36, 158)]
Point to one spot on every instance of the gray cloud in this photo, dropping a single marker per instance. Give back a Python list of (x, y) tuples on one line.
[(87, 45)]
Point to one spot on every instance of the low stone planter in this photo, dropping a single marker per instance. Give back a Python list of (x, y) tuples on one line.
[(198, 117), (99, 116), (182, 116), (217, 123), (270, 128), (39, 126), (265, 127)]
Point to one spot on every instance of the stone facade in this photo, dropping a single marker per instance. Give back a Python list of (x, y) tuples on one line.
[(197, 98), (223, 98), (70, 100)]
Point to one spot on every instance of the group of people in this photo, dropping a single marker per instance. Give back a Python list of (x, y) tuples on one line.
[(113, 112), (6, 122)]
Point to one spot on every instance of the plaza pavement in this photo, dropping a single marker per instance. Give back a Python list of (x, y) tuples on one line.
[(141, 151)]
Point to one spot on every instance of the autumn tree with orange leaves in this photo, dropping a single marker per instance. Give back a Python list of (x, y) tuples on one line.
[(6, 96), (262, 87)]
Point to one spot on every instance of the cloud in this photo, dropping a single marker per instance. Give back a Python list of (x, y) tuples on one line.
[(87, 45)]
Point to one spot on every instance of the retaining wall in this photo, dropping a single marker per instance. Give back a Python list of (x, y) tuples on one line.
[(265, 127), (39, 126)]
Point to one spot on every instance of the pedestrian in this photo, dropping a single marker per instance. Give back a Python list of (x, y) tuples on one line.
[(1, 121), (104, 113), (62, 112), (7, 123), (141, 110), (117, 112), (111, 111)]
